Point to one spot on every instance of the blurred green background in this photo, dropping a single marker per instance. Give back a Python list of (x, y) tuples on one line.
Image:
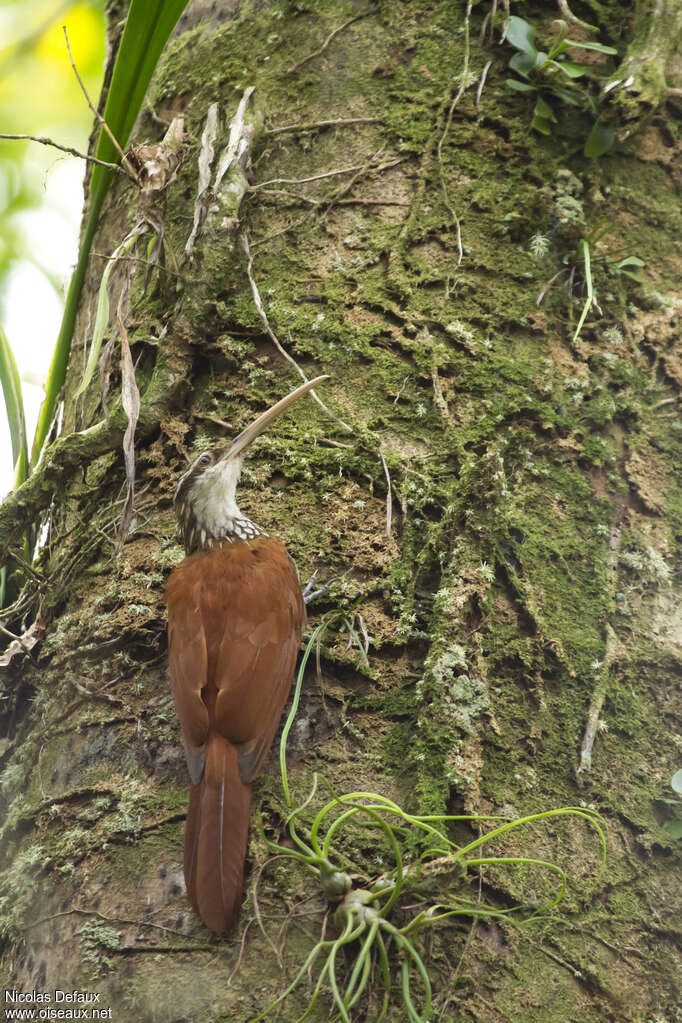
[(41, 191)]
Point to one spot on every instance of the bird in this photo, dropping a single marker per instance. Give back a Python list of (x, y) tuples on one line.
[(235, 617)]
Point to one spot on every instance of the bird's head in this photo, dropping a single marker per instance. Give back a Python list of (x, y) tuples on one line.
[(205, 498)]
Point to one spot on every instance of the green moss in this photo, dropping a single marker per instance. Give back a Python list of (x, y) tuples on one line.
[(20, 886), (97, 940)]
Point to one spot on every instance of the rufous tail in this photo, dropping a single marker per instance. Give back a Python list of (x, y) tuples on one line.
[(216, 835)]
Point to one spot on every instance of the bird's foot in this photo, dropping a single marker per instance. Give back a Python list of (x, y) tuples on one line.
[(309, 595)]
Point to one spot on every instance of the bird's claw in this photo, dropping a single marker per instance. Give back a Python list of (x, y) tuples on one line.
[(308, 596)]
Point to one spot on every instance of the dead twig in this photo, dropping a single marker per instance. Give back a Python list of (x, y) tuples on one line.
[(664, 401), (22, 565), (133, 950), (273, 337), (389, 495), (242, 946), (338, 202), (285, 230), (574, 971), (98, 117), (545, 288), (257, 913), (296, 197), (303, 181), (400, 391), (130, 400), (370, 202), (76, 910), (15, 639), (463, 84), (597, 701), (333, 443), (95, 696), (507, 20), (291, 195), (314, 204), (570, 16), (314, 125), (65, 149), (21, 644), (213, 419), (136, 259), (325, 44), (367, 166), (345, 189), (365, 634), (338, 197), (488, 22), (481, 82)]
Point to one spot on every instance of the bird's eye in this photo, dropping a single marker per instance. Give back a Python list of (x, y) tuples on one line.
[(205, 459)]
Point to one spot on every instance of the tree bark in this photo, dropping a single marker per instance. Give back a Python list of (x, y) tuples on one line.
[(651, 70), (502, 521)]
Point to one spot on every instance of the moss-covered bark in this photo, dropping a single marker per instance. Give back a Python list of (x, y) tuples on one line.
[(651, 69), (536, 519)]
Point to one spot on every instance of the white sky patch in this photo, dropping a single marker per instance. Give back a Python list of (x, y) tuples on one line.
[(32, 308)]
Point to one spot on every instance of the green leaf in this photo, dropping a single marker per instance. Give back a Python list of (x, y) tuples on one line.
[(147, 28), (593, 107), (513, 83), (571, 69), (101, 323), (522, 64), (559, 44), (599, 231), (599, 47), (542, 125), (676, 781), (673, 828), (520, 35), (636, 261), (543, 109), (14, 406), (600, 140), (575, 99), (584, 249), (558, 48), (102, 314)]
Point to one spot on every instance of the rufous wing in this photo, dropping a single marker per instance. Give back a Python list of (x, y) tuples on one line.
[(187, 663), (257, 654)]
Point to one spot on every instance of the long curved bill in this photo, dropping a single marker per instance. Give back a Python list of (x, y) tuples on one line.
[(259, 425)]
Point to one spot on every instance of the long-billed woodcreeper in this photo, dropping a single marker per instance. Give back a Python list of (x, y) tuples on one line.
[(235, 614)]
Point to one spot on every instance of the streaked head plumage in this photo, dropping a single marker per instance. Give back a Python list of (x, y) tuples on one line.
[(205, 497)]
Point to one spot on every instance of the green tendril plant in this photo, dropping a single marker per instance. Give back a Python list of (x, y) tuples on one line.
[(375, 950)]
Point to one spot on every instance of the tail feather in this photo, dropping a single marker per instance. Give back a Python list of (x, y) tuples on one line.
[(216, 836)]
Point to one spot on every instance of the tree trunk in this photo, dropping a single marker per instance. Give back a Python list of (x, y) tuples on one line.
[(502, 521)]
